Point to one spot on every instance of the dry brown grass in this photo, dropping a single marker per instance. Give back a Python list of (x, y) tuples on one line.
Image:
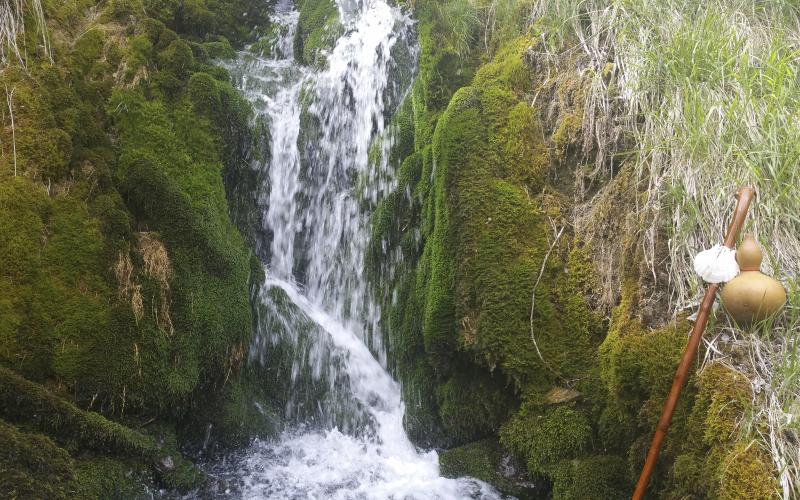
[(157, 266), (128, 289)]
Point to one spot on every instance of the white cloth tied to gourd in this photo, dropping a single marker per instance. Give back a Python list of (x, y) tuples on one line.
[(717, 264)]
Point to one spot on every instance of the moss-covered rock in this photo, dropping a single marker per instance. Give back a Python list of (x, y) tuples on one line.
[(489, 283), (595, 478), (472, 405), (713, 461), (544, 440), (107, 478), (128, 287), (486, 460), (114, 446), (32, 466), (317, 30)]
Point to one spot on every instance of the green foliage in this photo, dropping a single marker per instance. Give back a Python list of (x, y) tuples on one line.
[(221, 49), (47, 302), (636, 364), (204, 94), (477, 28), (747, 472), (471, 269), (486, 147), (237, 20), (151, 28), (140, 51), (33, 466), (177, 59), (479, 203), (162, 10)]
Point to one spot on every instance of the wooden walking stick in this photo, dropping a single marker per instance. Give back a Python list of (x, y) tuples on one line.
[(744, 196)]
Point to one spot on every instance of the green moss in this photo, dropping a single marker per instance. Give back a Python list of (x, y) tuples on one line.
[(527, 160), (543, 438), (151, 28), (139, 55), (482, 460), (486, 147), (567, 133), (106, 478), (714, 460), (747, 472), (204, 94), (166, 38), (508, 68), (88, 50), (177, 59), (592, 478), (473, 264), (50, 303), (121, 10), (49, 149), (79, 310), (29, 404), (221, 49), (318, 28), (463, 296), (197, 18), (472, 405), (638, 364), (32, 466)]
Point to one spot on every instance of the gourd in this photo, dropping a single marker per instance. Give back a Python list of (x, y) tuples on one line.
[(752, 296)]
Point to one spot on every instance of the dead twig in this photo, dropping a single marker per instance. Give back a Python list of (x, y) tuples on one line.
[(10, 101), (535, 285)]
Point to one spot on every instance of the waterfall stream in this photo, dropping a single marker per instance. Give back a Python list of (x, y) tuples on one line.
[(346, 438)]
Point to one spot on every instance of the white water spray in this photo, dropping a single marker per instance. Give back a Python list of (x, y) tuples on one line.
[(322, 186)]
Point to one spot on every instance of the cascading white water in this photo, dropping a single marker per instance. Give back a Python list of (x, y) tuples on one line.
[(322, 186)]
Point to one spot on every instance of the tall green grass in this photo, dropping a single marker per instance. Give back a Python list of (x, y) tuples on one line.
[(708, 91), (483, 24)]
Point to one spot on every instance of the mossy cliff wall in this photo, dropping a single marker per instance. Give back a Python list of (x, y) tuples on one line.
[(124, 286), (501, 329)]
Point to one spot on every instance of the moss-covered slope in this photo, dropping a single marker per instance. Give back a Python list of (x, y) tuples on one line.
[(500, 328), (125, 288)]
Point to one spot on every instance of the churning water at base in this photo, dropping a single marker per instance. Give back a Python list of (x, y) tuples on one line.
[(327, 170)]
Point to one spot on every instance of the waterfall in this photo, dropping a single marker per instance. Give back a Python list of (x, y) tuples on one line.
[(346, 438)]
